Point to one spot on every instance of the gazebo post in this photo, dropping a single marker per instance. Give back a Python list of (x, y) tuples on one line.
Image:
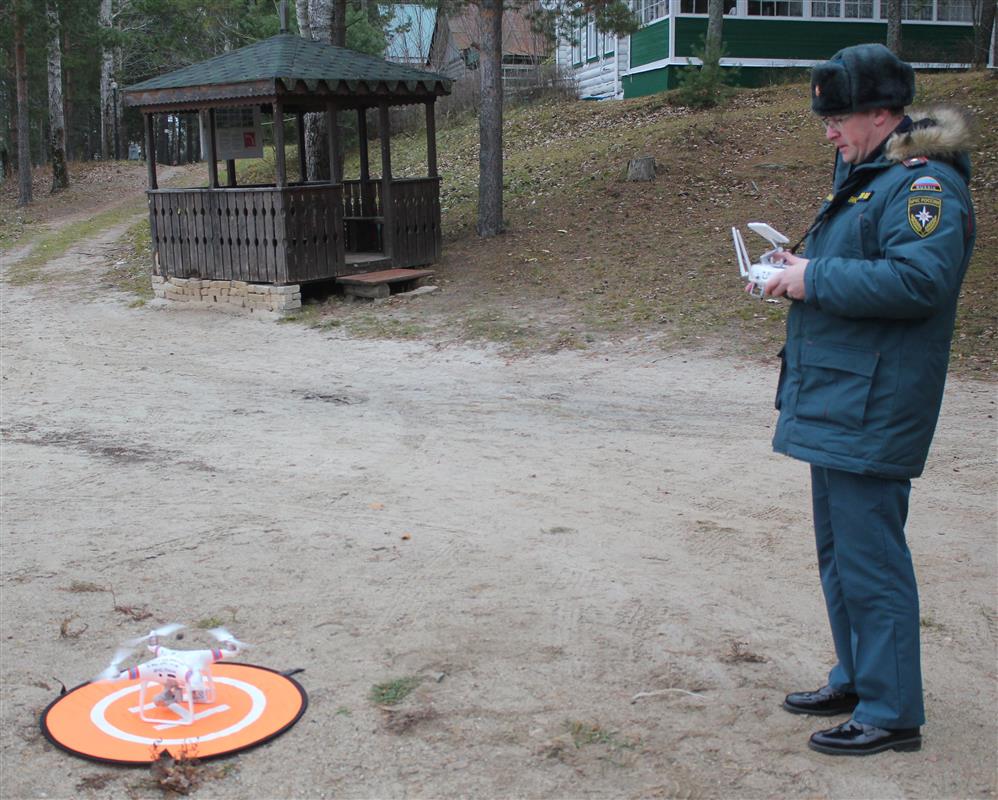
[(365, 164), (212, 150), (387, 207), (150, 151), (333, 124), (230, 172), (302, 163), (431, 140), (282, 172)]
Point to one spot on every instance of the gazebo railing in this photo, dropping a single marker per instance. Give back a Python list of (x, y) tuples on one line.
[(359, 201), (416, 239), (292, 235), (258, 235)]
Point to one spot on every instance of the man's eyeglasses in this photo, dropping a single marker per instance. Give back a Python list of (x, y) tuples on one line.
[(835, 123)]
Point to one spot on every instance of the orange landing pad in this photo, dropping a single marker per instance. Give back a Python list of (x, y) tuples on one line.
[(101, 720)]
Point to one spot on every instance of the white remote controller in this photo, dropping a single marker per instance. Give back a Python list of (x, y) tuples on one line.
[(765, 268)]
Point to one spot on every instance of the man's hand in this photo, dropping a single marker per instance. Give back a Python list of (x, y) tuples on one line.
[(790, 280)]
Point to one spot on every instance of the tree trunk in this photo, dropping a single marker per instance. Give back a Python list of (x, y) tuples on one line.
[(983, 33), (7, 152), (72, 142), (176, 139), (23, 119), (304, 23), (190, 130), (321, 15), (106, 76), (894, 26), (57, 120), (118, 109), (713, 43), (490, 121), (163, 139), (338, 34)]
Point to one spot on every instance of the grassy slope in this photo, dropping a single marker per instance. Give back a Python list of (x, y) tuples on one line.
[(588, 255)]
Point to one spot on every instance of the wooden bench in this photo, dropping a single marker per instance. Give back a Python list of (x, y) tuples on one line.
[(380, 284)]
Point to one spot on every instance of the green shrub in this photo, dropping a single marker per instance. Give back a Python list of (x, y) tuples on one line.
[(707, 85)]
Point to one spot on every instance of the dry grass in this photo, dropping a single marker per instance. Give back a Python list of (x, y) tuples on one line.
[(588, 256)]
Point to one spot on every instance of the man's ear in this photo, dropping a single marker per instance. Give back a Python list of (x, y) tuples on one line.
[(881, 117)]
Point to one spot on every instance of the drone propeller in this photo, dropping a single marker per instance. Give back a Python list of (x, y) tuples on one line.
[(165, 630), (224, 637), (114, 668)]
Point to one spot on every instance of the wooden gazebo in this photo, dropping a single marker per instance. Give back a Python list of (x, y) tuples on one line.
[(293, 233)]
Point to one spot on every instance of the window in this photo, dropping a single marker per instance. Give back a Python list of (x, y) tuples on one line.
[(591, 51), (776, 8), (577, 46), (858, 9), (649, 10), (955, 10), (826, 8), (700, 6), (916, 9)]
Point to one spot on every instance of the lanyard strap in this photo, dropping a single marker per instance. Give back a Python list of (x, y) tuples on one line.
[(854, 182)]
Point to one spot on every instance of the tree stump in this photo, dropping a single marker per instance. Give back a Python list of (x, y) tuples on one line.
[(641, 168)]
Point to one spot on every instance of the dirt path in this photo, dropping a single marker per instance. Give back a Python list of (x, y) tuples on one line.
[(539, 540)]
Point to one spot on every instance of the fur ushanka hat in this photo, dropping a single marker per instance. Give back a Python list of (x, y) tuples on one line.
[(859, 78)]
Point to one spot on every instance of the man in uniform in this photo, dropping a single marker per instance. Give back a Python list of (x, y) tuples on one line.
[(861, 383)]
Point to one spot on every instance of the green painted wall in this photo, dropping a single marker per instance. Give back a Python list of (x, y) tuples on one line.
[(783, 39), (805, 39), (650, 44), (656, 80), (661, 80)]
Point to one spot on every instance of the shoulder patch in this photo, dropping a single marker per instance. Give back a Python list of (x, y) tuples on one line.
[(917, 161), (925, 184), (924, 213)]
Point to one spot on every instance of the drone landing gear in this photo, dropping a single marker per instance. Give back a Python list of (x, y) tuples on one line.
[(175, 697)]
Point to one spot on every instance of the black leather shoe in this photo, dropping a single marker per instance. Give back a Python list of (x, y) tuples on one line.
[(825, 702), (856, 739)]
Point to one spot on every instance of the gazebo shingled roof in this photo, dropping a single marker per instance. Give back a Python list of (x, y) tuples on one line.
[(304, 73)]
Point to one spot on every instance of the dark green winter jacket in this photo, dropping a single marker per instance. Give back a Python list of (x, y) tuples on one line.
[(867, 351)]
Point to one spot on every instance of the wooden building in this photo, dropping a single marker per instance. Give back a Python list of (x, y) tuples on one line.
[(762, 37), (292, 232)]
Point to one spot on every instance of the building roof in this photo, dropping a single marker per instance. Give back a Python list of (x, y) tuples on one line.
[(410, 31), (298, 71), (518, 38)]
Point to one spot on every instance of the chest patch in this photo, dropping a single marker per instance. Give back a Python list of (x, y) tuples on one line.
[(924, 213), (917, 161), (925, 184)]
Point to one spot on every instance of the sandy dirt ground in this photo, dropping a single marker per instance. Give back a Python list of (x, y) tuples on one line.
[(538, 540)]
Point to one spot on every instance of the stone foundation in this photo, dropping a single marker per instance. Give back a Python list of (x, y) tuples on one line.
[(238, 297)]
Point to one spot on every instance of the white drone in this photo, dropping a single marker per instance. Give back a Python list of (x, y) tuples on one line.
[(765, 268), (184, 675)]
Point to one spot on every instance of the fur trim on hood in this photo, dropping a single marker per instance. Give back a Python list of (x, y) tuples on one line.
[(939, 133)]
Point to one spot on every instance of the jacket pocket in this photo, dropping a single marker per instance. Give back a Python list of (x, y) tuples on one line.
[(835, 384), (782, 355)]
